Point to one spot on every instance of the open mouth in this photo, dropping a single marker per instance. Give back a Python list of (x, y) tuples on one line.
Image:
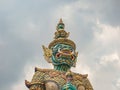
[(65, 53)]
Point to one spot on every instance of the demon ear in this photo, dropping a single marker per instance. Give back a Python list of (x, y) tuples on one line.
[(47, 54), (76, 54)]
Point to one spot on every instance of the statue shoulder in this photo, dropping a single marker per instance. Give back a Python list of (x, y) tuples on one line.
[(82, 81), (46, 75), (79, 77)]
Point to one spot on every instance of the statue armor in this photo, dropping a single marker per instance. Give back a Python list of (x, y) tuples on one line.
[(61, 53)]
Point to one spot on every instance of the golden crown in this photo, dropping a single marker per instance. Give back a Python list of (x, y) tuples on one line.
[(61, 36)]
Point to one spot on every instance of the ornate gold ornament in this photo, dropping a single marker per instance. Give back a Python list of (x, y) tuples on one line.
[(62, 41), (47, 53), (61, 36), (50, 75)]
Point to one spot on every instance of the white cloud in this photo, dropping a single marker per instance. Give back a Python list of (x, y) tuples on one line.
[(28, 73), (118, 83), (107, 34), (112, 58), (82, 67), (20, 86)]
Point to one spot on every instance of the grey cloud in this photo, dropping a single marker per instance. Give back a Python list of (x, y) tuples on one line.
[(108, 11), (105, 78), (20, 43)]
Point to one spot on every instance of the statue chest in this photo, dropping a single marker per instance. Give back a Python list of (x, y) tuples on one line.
[(55, 80)]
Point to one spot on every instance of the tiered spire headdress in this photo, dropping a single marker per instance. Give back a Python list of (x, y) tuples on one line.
[(61, 36)]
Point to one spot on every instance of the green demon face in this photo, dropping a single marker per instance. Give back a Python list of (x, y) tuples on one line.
[(63, 55)]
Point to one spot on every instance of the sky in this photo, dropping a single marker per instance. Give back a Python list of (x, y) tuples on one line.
[(26, 25)]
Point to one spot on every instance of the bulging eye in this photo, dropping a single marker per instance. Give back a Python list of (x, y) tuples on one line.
[(72, 57), (58, 55), (71, 50), (59, 49)]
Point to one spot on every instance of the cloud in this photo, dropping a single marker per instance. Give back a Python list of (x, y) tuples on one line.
[(82, 67), (26, 25), (118, 83), (112, 58), (28, 72), (107, 34)]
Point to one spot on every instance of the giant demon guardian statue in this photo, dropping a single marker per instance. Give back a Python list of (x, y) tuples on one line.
[(61, 52)]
